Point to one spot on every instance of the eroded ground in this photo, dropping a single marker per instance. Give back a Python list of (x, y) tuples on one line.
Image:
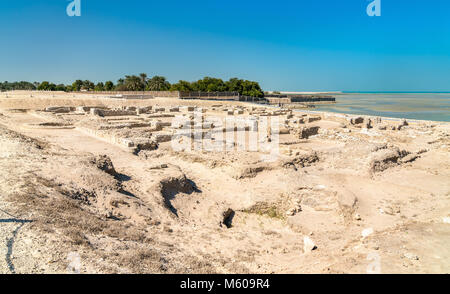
[(100, 179)]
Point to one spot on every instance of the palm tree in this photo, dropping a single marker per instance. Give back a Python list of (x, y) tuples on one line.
[(144, 80), (158, 83), (133, 83)]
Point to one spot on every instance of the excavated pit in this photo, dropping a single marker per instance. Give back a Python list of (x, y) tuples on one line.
[(173, 186), (228, 216)]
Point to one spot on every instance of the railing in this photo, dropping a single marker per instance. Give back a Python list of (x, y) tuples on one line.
[(210, 95), (253, 99)]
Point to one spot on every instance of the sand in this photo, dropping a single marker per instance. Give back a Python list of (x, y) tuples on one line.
[(91, 194)]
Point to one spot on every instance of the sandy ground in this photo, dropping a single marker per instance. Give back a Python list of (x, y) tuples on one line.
[(349, 199)]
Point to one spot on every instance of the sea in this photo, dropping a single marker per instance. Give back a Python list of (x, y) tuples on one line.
[(417, 106)]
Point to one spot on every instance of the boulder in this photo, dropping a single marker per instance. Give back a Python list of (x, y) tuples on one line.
[(306, 132), (404, 123), (356, 120), (386, 158), (313, 118)]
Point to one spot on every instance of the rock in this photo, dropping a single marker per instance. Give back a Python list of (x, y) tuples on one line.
[(104, 163), (159, 166), (421, 151), (404, 123), (387, 210), (187, 108), (411, 256), (149, 145), (357, 120), (142, 110), (313, 118), (295, 209), (409, 158), (228, 216), (357, 217), (347, 201), (96, 111), (308, 244), (320, 187), (306, 132), (385, 159), (58, 109), (290, 212), (366, 232)]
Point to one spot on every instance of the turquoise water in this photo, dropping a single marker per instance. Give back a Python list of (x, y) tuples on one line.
[(421, 106)]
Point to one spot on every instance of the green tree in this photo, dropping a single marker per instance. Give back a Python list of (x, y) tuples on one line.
[(88, 85), (6, 86), (121, 85), (158, 83), (208, 84), (99, 87), (234, 85), (76, 86), (109, 86), (60, 87), (44, 86), (250, 88), (182, 86), (144, 79), (134, 83)]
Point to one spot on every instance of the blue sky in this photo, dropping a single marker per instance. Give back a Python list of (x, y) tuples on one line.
[(285, 45)]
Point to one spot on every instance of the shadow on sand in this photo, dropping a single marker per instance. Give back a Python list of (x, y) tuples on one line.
[(10, 242)]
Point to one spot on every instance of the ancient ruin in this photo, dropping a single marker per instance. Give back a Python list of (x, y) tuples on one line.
[(203, 186)]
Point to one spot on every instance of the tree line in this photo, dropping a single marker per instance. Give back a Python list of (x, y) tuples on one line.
[(142, 82)]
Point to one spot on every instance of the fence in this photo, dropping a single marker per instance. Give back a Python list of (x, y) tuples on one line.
[(209, 95), (253, 99)]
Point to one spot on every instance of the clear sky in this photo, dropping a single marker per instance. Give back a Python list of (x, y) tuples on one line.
[(285, 45)]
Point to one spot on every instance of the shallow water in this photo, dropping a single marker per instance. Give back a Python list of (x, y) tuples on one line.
[(421, 106)]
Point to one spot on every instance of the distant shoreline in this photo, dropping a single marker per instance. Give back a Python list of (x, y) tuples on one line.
[(419, 106), (364, 92), (393, 92)]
